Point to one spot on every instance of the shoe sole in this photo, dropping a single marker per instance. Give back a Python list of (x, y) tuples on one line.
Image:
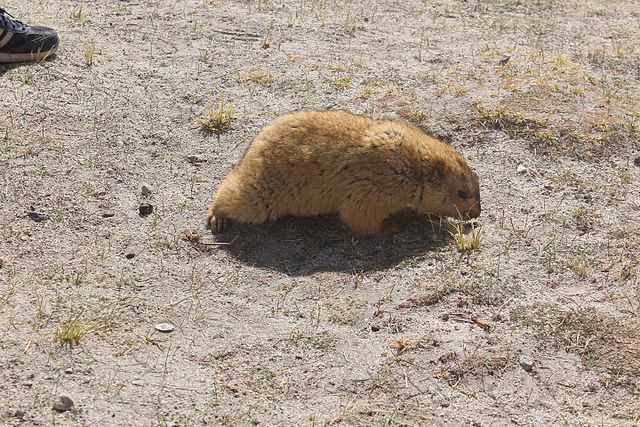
[(12, 58)]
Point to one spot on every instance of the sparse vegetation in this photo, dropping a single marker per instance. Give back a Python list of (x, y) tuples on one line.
[(626, 177), (514, 123), (258, 76), (580, 265), (343, 83), (218, 118), (417, 117), (488, 290), (71, 332), (465, 242), (79, 16), (340, 68), (346, 313), (604, 342), (88, 54), (204, 56), (585, 219), (455, 368), (8, 293), (370, 89), (323, 341)]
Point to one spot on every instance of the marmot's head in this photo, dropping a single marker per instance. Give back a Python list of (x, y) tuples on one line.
[(452, 188)]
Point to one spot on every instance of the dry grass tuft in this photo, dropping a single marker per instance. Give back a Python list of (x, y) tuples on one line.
[(71, 332), (580, 265), (455, 368), (414, 115), (258, 76), (217, 119), (585, 219), (79, 15), (320, 341), (8, 293), (340, 68), (343, 83), (371, 89), (513, 123), (402, 345), (88, 54), (465, 242)]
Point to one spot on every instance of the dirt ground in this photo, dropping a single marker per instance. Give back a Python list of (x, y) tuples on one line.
[(299, 322)]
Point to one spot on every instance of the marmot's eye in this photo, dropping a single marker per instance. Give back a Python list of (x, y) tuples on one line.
[(463, 195)]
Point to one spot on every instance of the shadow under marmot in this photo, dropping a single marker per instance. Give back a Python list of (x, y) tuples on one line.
[(301, 246)]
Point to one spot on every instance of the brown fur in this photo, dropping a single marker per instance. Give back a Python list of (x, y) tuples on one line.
[(314, 163)]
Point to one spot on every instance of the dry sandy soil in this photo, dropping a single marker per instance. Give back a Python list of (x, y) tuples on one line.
[(300, 322)]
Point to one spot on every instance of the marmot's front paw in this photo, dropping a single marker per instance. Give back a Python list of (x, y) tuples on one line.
[(216, 223)]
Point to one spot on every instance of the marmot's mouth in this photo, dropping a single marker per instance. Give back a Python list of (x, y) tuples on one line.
[(475, 212)]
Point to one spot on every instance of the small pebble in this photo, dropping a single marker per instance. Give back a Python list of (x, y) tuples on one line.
[(131, 252), (521, 169), (108, 214), (591, 388), (63, 404), (146, 190), (375, 328), (636, 161), (68, 371), (165, 327), (504, 60), (526, 362), (145, 209), (19, 414), (194, 160), (38, 216)]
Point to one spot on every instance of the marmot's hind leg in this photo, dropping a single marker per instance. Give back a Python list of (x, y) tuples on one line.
[(363, 218)]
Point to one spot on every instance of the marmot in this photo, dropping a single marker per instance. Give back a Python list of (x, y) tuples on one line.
[(315, 163)]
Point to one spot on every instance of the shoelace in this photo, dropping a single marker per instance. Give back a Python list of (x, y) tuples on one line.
[(9, 22)]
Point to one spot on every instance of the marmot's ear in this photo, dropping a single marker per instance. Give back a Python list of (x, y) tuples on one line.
[(438, 171)]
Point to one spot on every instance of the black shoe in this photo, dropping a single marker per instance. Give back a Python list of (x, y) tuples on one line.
[(23, 43)]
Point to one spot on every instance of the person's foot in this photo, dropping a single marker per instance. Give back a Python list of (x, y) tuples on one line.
[(23, 43)]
